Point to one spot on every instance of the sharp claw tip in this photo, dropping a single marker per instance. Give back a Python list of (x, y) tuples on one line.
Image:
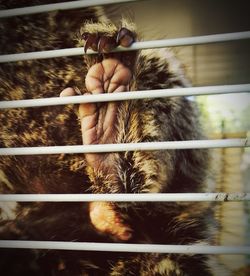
[(118, 38), (99, 47)]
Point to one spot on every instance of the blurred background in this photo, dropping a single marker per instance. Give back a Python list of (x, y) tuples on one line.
[(223, 116)]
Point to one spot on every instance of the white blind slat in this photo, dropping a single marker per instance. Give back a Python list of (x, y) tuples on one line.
[(121, 247), (132, 95), (148, 146), (147, 197), (185, 41), (58, 6)]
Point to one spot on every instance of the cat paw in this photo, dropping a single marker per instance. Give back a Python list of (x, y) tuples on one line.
[(105, 43), (106, 73), (103, 38), (99, 121)]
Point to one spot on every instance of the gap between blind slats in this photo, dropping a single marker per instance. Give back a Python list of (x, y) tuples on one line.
[(121, 247), (58, 6), (149, 197), (185, 41), (132, 95), (146, 146)]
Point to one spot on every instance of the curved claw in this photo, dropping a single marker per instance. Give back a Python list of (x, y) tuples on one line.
[(91, 41), (106, 44), (125, 37)]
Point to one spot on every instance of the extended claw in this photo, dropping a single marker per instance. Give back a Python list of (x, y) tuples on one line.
[(106, 44), (125, 37), (91, 41)]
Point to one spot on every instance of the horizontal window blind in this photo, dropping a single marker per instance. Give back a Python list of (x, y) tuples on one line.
[(146, 94), (173, 145), (58, 6), (149, 197), (121, 247), (216, 38), (100, 148)]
